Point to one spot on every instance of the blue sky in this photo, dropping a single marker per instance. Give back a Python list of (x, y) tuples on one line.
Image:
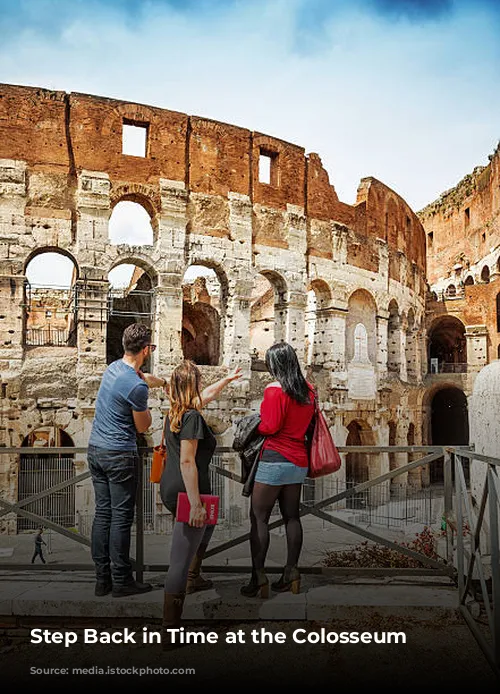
[(407, 91)]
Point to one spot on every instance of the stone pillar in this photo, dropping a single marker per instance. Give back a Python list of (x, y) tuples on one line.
[(484, 413), (399, 483), (93, 207), (173, 219), (382, 347), (477, 346), (14, 247), (237, 330), (168, 323), (403, 368), (295, 328)]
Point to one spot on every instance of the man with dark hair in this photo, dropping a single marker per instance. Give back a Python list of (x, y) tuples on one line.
[(121, 412)]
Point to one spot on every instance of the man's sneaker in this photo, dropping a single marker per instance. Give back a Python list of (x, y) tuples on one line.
[(103, 588), (133, 588)]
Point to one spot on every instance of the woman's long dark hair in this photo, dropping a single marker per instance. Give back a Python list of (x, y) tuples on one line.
[(283, 365)]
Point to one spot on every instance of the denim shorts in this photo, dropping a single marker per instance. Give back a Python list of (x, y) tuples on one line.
[(276, 473)]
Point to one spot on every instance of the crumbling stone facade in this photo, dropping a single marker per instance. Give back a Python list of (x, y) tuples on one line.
[(363, 342), (463, 263)]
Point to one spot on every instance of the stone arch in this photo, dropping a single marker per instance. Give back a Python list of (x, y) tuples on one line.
[(469, 281), (451, 291), (361, 309), (359, 433), (49, 315), (447, 343), (204, 312), (133, 302), (52, 249), (318, 323), (38, 470), (268, 313), (137, 211), (449, 424), (485, 274), (145, 195)]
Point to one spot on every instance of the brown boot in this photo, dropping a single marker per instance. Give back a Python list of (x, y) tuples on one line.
[(172, 612), (195, 580)]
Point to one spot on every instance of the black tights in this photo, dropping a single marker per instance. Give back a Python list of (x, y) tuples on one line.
[(263, 499)]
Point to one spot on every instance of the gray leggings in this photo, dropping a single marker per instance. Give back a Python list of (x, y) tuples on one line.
[(186, 541)]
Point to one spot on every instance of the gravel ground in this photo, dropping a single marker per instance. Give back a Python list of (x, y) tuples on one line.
[(434, 654)]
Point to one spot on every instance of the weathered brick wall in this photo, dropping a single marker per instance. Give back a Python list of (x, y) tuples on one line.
[(458, 237)]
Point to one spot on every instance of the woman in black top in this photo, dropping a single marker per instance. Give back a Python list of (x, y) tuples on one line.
[(190, 447)]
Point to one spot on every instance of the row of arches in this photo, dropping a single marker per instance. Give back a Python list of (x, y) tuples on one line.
[(205, 302), (455, 290), (38, 469)]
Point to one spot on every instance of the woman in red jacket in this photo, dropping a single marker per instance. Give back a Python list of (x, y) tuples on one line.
[(286, 413)]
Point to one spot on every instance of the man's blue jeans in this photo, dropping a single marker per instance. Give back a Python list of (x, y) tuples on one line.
[(114, 476)]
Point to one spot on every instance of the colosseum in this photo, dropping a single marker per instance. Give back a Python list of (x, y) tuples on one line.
[(242, 242)]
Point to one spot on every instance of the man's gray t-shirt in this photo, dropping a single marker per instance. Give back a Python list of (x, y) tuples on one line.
[(120, 392)]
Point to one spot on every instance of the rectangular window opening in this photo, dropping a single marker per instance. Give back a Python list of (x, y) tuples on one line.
[(268, 167), (134, 138), (467, 216), (430, 238)]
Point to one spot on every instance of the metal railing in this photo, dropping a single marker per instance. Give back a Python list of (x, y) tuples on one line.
[(448, 368), (472, 533), (50, 337)]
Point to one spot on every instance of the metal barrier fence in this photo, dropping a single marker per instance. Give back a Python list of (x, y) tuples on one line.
[(472, 533)]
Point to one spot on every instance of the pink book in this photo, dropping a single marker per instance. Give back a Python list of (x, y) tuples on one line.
[(209, 501)]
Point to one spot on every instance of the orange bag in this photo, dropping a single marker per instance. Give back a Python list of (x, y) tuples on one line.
[(159, 459)]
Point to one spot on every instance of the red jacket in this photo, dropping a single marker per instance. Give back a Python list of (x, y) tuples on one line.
[(284, 423)]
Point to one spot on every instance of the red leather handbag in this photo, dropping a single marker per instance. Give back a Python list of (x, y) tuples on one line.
[(159, 459), (324, 457)]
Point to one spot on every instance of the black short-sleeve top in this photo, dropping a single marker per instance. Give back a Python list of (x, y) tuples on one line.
[(193, 426)]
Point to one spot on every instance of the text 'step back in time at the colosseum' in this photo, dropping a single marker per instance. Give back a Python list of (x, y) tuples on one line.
[(244, 243)]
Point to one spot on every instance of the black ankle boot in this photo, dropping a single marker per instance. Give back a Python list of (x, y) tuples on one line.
[(289, 580), (259, 585)]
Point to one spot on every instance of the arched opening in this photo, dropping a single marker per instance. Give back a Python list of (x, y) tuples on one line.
[(130, 223), (268, 310), (130, 301), (39, 471), (449, 426), (357, 469), (393, 338), (202, 311), (469, 281), (361, 309), (485, 274), (451, 291), (318, 335), (498, 312), (49, 300), (447, 346)]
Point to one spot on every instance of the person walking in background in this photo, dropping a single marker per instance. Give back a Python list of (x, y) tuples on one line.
[(286, 414), (39, 541), (121, 412), (190, 446)]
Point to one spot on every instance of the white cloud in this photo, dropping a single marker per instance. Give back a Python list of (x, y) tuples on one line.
[(413, 104)]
